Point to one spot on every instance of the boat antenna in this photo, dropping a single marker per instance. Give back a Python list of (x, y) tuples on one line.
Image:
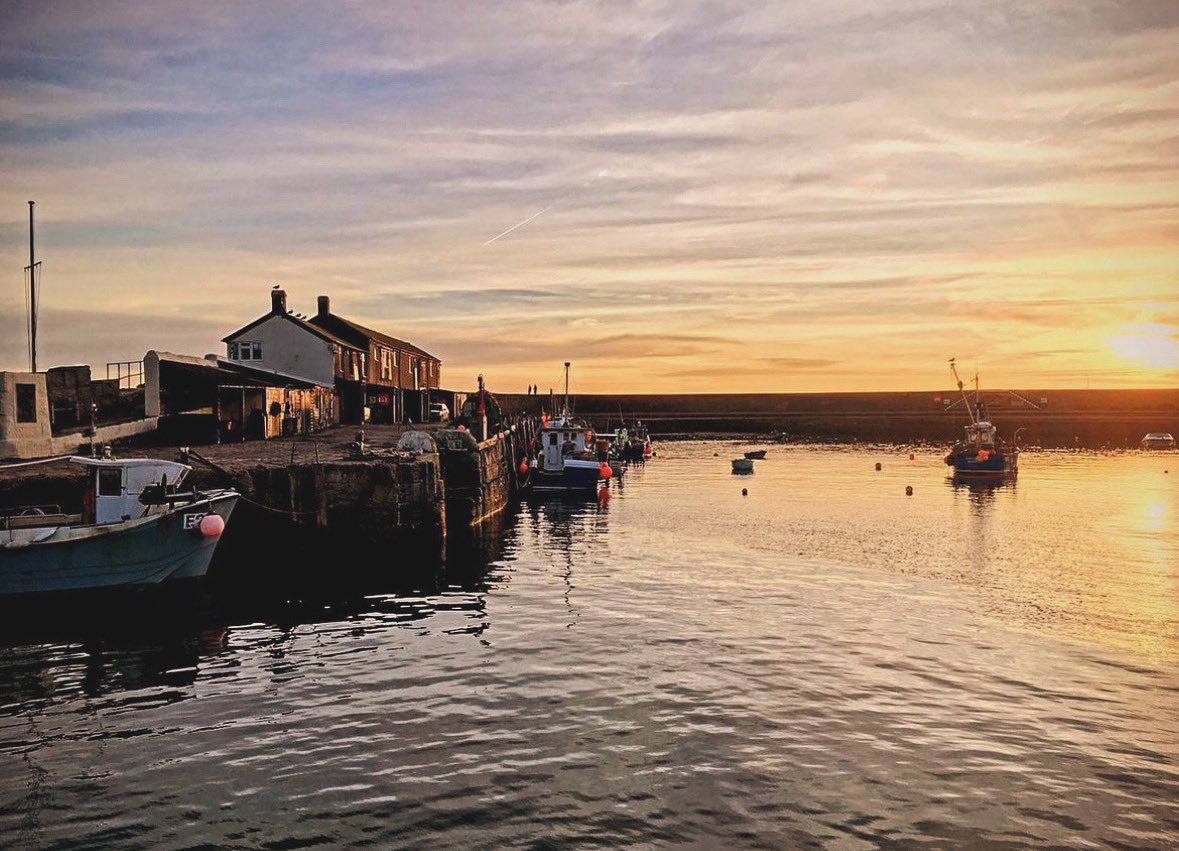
[(32, 269), (961, 389), (566, 388)]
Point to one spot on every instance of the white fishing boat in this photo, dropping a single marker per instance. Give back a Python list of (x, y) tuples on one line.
[(567, 458), (135, 527), (1158, 440)]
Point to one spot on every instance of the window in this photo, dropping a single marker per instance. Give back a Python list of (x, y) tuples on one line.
[(26, 403), (246, 351), (231, 351), (110, 482), (249, 351)]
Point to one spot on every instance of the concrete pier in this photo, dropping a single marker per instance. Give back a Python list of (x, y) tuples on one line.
[(330, 499)]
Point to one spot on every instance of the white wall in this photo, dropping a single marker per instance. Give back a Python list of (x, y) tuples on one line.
[(12, 433), (290, 349)]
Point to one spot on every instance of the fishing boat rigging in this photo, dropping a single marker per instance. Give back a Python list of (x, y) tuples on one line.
[(980, 453)]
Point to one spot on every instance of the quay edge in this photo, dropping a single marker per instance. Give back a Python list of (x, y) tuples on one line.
[(321, 501)]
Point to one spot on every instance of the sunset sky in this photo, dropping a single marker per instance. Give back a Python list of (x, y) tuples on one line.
[(674, 196)]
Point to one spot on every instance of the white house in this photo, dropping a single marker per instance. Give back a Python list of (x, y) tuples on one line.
[(282, 343)]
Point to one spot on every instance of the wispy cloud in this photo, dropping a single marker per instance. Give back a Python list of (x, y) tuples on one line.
[(721, 189)]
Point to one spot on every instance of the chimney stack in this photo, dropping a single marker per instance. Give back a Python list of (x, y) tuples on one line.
[(325, 307), (278, 301)]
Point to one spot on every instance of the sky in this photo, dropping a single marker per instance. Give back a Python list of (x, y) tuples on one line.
[(674, 196)]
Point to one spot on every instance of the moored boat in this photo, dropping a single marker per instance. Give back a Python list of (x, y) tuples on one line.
[(980, 453), (135, 528), (756, 454), (567, 459), (1158, 440), (742, 465)]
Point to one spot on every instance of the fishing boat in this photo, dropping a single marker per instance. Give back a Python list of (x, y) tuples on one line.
[(756, 454), (1158, 440), (135, 527), (567, 459), (742, 465), (980, 453)]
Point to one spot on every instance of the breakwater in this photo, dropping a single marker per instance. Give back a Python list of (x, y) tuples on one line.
[(1049, 418)]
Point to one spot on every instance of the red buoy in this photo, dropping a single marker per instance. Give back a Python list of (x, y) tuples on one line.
[(604, 470), (212, 525), (524, 468)]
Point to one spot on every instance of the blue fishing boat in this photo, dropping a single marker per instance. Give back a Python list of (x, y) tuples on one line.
[(135, 527), (567, 458), (980, 453)]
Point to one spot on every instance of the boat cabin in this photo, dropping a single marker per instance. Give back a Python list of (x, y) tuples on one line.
[(981, 433), (563, 438), (113, 487), (1158, 440)]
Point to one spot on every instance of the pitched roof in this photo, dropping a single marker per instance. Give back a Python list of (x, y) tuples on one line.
[(360, 336), (322, 333), (230, 371)]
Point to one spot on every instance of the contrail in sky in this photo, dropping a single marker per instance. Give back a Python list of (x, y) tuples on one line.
[(518, 224)]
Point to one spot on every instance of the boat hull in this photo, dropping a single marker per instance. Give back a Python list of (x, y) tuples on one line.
[(996, 464), (574, 476), (158, 548)]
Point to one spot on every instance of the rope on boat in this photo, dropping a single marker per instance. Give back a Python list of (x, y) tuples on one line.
[(52, 460), (285, 511)]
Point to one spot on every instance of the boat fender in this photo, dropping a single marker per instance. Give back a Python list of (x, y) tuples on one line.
[(212, 525)]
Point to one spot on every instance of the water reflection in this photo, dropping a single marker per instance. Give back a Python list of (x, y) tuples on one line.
[(60, 648), (981, 492), (86, 654), (568, 528)]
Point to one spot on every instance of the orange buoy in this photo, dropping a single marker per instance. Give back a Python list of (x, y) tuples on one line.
[(604, 470)]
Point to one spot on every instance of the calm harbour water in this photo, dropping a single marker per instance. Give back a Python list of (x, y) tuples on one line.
[(822, 663)]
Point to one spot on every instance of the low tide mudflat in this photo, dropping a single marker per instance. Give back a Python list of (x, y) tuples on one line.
[(821, 662)]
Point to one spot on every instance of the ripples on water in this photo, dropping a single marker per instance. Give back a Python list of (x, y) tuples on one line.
[(824, 662)]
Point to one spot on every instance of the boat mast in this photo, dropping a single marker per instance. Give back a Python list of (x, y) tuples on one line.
[(566, 388), (32, 297), (961, 389)]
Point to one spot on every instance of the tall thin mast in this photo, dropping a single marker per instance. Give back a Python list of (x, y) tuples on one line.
[(566, 388), (32, 296), (961, 389)]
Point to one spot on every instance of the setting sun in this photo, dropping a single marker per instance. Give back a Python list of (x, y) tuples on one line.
[(1153, 346)]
